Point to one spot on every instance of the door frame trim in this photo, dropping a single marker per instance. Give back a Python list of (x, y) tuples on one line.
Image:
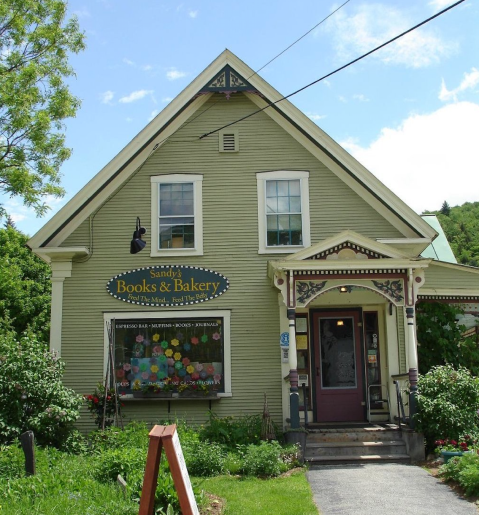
[(313, 349)]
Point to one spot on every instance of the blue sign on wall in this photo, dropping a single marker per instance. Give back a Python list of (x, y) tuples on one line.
[(167, 285)]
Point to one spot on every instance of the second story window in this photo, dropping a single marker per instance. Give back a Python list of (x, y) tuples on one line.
[(176, 215), (283, 213)]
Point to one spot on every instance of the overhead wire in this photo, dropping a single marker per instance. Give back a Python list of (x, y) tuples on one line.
[(336, 70), (299, 39), (258, 70)]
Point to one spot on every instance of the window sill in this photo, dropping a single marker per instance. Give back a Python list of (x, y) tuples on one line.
[(287, 249), (176, 252), (175, 397)]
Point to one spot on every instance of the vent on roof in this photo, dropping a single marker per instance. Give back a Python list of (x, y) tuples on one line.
[(229, 141)]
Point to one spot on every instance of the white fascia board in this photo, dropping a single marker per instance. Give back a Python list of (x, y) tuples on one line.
[(49, 254), (343, 237), (456, 266), (357, 264), (359, 176)]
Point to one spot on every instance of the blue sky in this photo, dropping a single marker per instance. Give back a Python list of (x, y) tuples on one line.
[(409, 113)]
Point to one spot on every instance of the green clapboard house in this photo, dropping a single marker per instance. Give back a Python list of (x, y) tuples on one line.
[(272, 259)]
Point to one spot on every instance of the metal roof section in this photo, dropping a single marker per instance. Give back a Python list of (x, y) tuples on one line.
[(439, 249)]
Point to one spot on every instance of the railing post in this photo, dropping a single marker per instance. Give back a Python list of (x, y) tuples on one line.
[(293, 372)]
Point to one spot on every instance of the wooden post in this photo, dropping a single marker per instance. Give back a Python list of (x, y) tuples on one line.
[(147, 501), (28, 446), (167, 437)]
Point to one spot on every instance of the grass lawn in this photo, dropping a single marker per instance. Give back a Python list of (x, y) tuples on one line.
[(65, 485), (281, 496)]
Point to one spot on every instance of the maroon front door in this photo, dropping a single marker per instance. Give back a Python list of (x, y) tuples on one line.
[(338, 366)]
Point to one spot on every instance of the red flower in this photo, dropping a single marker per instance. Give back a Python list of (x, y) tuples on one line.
[(453, 442), (95, 400)]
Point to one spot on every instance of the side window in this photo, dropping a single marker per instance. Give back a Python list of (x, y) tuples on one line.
[(176, 215), (283, 211)]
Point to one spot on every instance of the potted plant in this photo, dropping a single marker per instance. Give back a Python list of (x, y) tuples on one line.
[(448, 448), (160, 389), (193, 390)]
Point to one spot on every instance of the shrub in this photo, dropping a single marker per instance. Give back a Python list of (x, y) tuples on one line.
[(232, 431), (465, 471), (264, 460), (32, 396), (447, 403), (205, 459)]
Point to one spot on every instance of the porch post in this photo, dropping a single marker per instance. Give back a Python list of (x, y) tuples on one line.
[(293, 372), (413, 364)]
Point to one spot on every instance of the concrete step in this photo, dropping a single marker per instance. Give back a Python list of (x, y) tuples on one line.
[(352, 459), (354, 448), (351, 435)]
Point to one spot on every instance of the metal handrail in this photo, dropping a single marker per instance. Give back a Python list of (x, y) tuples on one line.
[(386, 400), (305, 404), (400, 404)]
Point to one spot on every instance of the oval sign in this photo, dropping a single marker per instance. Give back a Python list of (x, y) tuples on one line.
[(167, 285)]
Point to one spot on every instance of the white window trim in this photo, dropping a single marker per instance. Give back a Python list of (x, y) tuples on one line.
[(225, 314), (197, 181), (261, 178)]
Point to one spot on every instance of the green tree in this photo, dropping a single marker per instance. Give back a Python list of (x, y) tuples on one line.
[(25, 287), (445, 209), (35, 41), (441, 340)]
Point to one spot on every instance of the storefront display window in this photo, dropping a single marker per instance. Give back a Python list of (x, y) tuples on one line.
[(170, 353)]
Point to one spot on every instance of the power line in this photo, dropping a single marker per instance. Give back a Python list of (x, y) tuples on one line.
[(337, 70), (299, 39)]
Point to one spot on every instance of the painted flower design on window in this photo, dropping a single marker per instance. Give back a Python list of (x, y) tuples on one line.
[(127, 366), (144, 375), (139, 338), (210, 369), (216, 336), (143, 367), (136, 384), (182, 372), (146, 342), (164, 344), (178, 365), (135, 369), (120, 373), (203, 374), (186, 361), (154, 369), (153, 378), (156, 337), (199, 367), (170, 362), (168, 353), (195, 376), (204, 338), (153, 361), (175, 342), (162, 375), (217, 378), (194, 340), (177, 356), (190, 369), (162, 359), (186, 346), (180, 336), (157, 350)]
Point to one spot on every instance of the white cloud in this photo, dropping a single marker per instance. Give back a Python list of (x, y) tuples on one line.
[(129, 62), (107, 97), (470, 81), (374, 24), (147, 67), (361, 98), (166, 99), (135, 95), (192, 14), (82, 13), (174, 74), (315, 117), (429, 158), (437, 5), (153, 114)]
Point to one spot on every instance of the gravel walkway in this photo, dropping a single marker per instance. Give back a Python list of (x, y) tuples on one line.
[(381, 489)]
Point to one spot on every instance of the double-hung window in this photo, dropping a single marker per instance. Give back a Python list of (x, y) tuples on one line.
[(177, 225), (283, 211)]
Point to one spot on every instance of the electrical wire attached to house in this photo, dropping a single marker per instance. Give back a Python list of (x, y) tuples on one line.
[(337, 69)]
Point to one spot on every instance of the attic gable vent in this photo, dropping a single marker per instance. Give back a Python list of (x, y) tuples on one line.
[(229, 141)]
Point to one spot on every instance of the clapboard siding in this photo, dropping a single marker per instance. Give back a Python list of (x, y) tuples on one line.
[(438, 276), (230, 226)]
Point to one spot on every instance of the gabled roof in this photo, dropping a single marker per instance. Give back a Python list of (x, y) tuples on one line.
[(439, 249), (241, 78)]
